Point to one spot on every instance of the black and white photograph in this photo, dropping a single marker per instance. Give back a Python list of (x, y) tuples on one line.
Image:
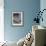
[(17, 18)]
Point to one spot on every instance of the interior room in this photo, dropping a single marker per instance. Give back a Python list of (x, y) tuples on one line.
[(22, 23)]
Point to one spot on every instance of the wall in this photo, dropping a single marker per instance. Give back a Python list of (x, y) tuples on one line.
[(1, 21), (43, 6), (29, 7)]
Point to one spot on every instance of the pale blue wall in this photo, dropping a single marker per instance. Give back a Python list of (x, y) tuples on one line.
[(29, 7), (43, 6)]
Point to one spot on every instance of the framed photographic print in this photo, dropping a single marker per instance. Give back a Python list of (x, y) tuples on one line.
[(17, 18)]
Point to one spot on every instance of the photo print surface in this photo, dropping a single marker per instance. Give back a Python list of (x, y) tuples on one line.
[(17, 18)]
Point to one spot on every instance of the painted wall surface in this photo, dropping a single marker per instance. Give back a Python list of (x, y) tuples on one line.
[(43, 6), (30, 7)]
